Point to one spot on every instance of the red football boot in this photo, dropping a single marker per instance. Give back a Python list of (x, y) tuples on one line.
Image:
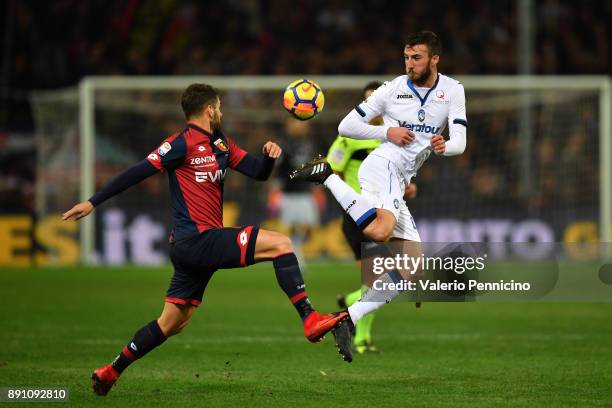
[(317, 325), (103, 379)]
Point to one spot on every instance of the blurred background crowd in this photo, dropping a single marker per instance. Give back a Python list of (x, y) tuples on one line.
[(56, 45)]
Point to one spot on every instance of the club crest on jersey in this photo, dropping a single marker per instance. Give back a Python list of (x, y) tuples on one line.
[(421, 115), (164, 148), (221, 145)]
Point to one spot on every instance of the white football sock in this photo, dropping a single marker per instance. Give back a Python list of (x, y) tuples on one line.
[(360, 308), (374, 299), (356, 206)]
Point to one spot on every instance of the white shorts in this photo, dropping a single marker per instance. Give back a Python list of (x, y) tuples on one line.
[(383, 185)]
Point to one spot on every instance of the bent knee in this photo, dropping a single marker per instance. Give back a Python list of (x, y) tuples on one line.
[(283, 245), (378, 235), (174, 328), (378, 231), (171, 327)]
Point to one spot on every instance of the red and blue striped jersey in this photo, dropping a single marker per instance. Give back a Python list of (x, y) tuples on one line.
[(196, 162)]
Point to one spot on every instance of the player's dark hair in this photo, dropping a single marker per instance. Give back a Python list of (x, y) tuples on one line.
[(196, 97), (371, 86), (428, 38)]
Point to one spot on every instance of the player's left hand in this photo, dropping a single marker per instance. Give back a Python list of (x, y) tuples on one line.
[(438, 144), (78, 211), (272, 150)]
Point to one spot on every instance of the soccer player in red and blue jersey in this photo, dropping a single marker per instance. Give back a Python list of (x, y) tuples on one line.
[(196, 160)]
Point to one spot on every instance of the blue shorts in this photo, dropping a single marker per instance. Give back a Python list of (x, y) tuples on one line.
[(195, 259)]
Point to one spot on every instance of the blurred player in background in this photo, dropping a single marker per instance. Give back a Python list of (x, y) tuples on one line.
[(416, 108), (298, 202), (196, 160), (345, 157)]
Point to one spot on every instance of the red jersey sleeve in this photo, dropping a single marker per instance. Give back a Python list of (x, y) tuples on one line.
[(236, 154), (169, 154)]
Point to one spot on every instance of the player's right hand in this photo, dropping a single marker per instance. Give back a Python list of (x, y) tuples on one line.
[(400, 135), (271, 149), (78, 211)]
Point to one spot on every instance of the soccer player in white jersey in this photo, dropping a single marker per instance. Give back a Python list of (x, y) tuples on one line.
[(416, 108)]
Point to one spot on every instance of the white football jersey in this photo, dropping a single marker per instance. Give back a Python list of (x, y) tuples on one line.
[(424, 111)]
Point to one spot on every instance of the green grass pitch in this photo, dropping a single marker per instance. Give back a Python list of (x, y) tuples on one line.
[(245, 345)]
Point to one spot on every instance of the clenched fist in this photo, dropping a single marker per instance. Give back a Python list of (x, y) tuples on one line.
[(400, 135), (438, 144)]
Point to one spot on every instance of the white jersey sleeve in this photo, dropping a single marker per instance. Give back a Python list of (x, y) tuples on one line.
[(457, 123), (355, 124)]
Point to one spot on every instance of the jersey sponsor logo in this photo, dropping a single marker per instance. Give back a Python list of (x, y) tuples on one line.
[(153, 156), (423, 128), (409, 96), (221, 145), (164, 149), (203, 160), (213, 176), (440, 94), (421, 115)]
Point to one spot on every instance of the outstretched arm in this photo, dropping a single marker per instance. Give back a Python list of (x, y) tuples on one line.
[(260, 167), (123, 181)]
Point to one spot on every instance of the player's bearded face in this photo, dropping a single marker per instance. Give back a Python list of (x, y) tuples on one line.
[(419, 72), (422, 75), (419, 63)]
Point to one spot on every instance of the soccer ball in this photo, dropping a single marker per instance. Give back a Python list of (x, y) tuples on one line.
[(303, 99)]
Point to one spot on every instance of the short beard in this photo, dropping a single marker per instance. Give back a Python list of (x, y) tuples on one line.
[(423, 77), (215, 123)]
